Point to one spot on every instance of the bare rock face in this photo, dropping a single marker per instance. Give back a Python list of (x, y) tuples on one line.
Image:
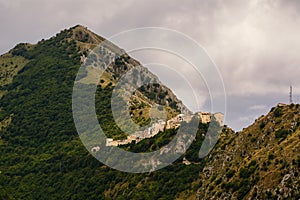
[(117, 66)]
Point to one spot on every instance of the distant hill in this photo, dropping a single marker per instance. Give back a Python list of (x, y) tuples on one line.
[(42, 157), (260, 162)]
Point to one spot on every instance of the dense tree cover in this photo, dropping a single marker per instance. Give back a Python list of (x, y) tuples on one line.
[(163, 138), (42, 156), (104, 113)]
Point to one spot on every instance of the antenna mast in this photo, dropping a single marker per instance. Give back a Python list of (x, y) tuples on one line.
[(291, 94)]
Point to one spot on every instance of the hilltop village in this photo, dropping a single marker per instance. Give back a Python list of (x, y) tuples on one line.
[(160, 125)]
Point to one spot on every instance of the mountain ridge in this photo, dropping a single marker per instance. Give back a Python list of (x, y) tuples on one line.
[(42, 156), (260, 170)]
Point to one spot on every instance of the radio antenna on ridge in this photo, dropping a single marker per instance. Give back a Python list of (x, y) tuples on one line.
[(291, 94)]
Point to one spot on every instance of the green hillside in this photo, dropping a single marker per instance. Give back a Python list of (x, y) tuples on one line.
[(42, 157)]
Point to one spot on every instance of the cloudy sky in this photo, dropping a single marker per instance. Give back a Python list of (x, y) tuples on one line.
[(255, 44)]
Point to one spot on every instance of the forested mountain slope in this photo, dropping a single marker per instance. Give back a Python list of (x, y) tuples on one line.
[(42, 157)]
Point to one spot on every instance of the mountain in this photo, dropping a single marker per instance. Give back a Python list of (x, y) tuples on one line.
[(260, 162), (42, 156), (41, 153)]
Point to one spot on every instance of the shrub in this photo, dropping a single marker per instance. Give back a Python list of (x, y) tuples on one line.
[(230, 173), (245, 172), (277, 112), (264, 166), (234, 185), (271, 156), (219, 180), (253, 139), (281, 133), (242, 192), (252, 163), (213, 177), (262, 125)]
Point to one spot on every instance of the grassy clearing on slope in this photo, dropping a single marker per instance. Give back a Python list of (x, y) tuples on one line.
[(9, 67)]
